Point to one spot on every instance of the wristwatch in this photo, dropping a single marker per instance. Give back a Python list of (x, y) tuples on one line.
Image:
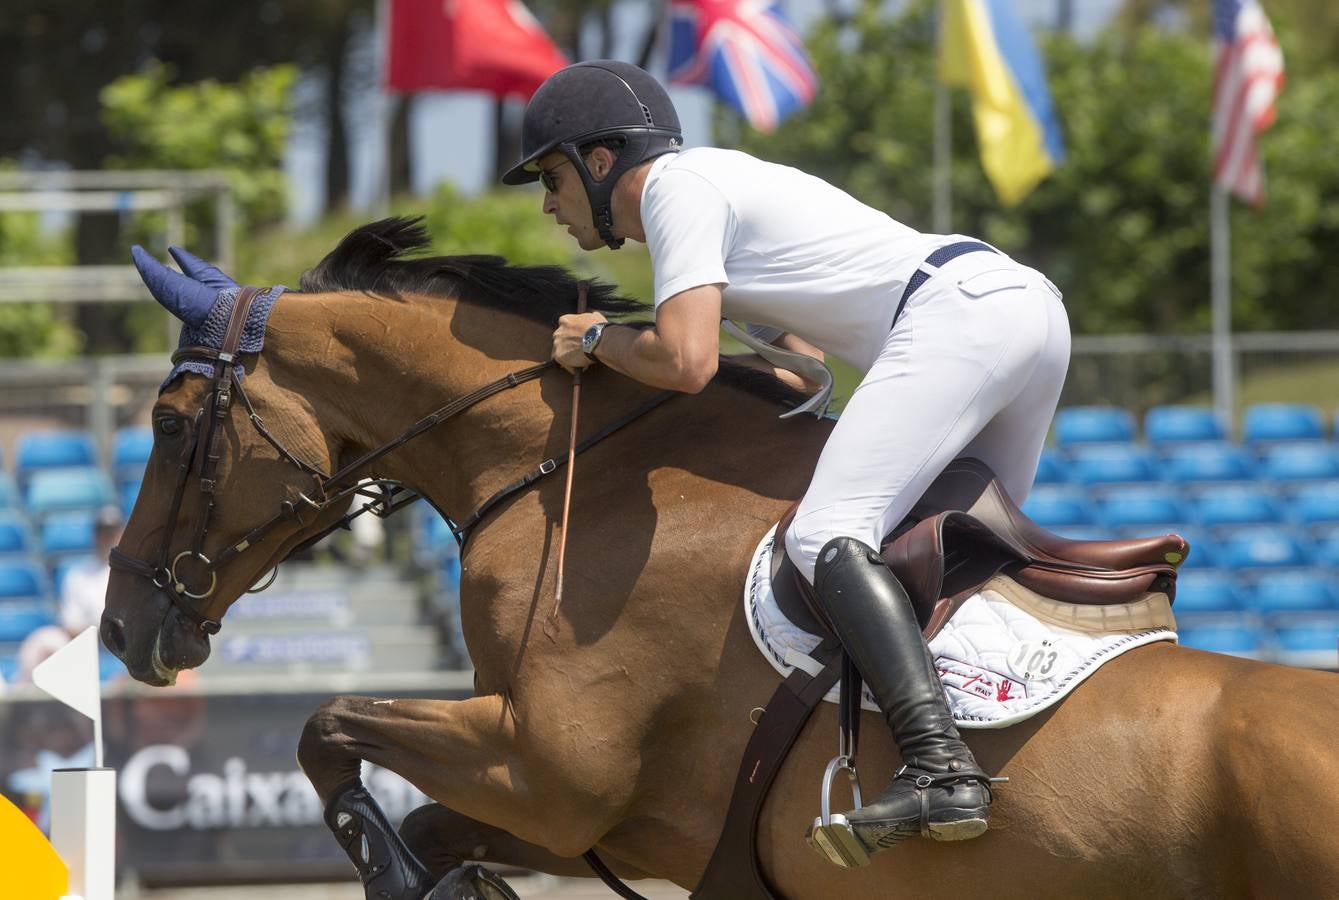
[(591, 339)]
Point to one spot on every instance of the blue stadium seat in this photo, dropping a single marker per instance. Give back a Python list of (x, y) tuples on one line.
[(127, 493), (1093, 464), (1093, 425), (16, 537), (9, 492), (1234, 504), (1265, 422), (21, 579), (19, 618), (53, 449), (66, 533), (1264, 547), (1051, 468), (9, 667), (1207, 461), (1308, 640), (1205, 551), (1052, 505), (1238, 639), (1314, 504), (109, 667), (1206, 590), (130, 451), (1174, 424), (61, 490), (1139, 504), (1325, 549), (1290, 590), (1298, 461)]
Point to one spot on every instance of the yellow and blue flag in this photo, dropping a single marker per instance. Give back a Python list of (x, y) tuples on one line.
[(985, 48)]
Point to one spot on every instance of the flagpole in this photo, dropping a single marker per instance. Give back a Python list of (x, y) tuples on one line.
[(1221, 280), (942, 217), (388, 101)]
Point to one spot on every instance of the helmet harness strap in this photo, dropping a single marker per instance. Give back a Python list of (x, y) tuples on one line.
[(600, 191)]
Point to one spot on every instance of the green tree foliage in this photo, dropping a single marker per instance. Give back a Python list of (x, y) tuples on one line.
[(240, 128), (1122, 226), (33, 329)]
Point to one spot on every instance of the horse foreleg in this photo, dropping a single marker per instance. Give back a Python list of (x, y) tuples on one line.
[(461, 753), (444, 839)]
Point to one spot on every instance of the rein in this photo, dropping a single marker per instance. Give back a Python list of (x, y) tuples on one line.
[(166, 572)]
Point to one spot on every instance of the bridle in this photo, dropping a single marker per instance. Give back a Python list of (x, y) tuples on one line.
[(386, 496)]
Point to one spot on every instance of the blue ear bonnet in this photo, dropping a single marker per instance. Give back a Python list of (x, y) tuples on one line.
[(211, 332), (203, 299)]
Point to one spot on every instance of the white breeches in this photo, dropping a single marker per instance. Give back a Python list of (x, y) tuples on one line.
[(973, 367)]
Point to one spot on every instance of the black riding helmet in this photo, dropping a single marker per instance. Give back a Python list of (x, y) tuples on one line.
[(589, 102)]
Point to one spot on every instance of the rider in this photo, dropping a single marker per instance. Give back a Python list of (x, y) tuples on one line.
[(963, 351)]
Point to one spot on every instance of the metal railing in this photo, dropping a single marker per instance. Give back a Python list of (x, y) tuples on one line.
[(129, 191)]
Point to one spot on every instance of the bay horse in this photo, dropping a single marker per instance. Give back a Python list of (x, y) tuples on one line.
[(1169, 773)]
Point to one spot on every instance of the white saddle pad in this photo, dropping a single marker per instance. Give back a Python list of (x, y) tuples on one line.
[(999, 663)]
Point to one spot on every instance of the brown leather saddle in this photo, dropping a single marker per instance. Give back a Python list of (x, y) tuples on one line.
[(965, 530)]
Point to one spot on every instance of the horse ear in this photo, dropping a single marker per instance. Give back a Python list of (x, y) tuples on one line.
[(186, 299), (202, 271)]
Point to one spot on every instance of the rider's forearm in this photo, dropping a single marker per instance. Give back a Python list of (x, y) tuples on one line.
[(643, 354)]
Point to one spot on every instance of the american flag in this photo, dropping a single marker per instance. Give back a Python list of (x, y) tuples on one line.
[(1248, 77), (746, 52)]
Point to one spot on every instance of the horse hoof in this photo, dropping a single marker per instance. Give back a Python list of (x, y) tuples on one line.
[(472, 882)]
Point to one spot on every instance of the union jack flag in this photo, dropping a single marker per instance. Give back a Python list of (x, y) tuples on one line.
[(1247, 78), (746, 52)]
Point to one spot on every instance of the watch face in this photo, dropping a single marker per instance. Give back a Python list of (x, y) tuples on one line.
[(591, 337)]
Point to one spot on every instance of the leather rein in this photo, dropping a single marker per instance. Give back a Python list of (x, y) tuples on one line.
[(386, 496)]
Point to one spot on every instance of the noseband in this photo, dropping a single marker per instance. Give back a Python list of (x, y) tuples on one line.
[(328, 489)]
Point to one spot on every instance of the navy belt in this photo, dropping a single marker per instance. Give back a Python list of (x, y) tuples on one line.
[(937, 260)]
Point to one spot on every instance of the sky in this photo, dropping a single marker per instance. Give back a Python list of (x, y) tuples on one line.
[(439, 120)]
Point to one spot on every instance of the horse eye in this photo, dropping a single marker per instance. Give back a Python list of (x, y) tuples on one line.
[(168, 426)]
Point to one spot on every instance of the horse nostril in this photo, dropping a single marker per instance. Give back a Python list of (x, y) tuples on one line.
[(114, 637)]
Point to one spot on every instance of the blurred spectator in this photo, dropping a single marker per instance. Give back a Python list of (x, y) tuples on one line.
[(82, 596)]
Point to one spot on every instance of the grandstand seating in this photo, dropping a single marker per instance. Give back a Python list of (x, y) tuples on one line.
[(1261, 514), (1238, 638), (1146, 505), (66, 533), (130, 452), (63, 490), (16, 537), (1093, 425), (1298, 461), (1219, 505), (1167, 425), (18, 619), (1266, 422), (21, 579), (1206, 461), (1108, 463), (1053, 505), (38, 450)]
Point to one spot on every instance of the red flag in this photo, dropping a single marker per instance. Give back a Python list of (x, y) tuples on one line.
[(490, 45)]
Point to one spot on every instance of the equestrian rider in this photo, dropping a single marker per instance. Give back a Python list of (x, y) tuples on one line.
[(963, 352)]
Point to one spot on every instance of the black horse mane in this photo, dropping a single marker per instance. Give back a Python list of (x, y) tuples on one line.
[(376, 258)]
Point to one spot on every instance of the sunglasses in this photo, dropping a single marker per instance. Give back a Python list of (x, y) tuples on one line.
[(546, 177)]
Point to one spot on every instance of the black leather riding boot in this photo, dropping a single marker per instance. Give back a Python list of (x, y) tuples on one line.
[(386, 867), (940, 792)]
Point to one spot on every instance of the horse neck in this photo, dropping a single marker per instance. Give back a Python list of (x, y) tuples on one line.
[(375, 366)]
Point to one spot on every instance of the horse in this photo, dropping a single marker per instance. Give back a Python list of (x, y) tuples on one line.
[(617, 720)]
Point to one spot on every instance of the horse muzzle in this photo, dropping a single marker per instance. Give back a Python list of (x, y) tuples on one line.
[(154, 656)]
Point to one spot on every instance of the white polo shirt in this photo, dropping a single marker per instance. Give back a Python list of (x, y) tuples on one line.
[(792, 251)]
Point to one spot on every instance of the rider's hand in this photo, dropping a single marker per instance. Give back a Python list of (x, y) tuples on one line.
[(567, 340)]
